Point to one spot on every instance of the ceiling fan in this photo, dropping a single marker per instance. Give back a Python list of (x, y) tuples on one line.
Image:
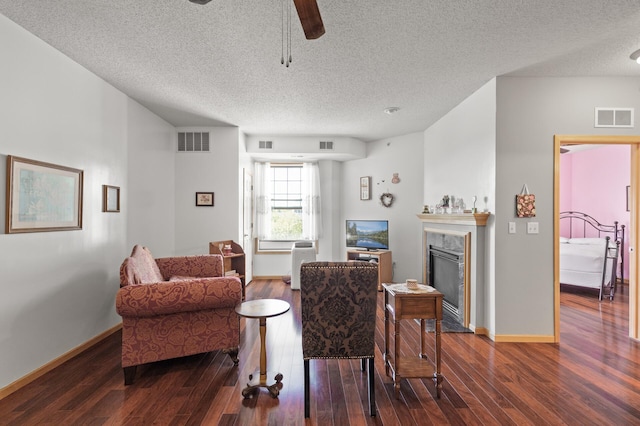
[(308, 13)]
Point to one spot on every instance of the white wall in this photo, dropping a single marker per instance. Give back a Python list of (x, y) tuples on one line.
[(459, 160), (332, 245), (217, 172), (58, 288), (402, 155), (148, 198), (530, 111)]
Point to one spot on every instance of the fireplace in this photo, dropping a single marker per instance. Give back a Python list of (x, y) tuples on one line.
[(446, 274), (464, 235)]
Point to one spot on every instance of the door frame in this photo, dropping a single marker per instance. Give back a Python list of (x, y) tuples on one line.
[(247, 223), (634, 220)]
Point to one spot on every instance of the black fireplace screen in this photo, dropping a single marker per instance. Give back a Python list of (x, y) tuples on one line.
[(445, 274)]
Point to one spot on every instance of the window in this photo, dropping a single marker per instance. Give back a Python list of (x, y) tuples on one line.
[(287, 204)]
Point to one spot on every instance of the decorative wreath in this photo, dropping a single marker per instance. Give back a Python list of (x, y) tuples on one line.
[(386, 199)]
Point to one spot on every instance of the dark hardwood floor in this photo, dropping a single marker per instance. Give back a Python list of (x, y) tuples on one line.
[(592, 377)]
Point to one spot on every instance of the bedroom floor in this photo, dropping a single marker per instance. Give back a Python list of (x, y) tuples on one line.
[(580, 310)]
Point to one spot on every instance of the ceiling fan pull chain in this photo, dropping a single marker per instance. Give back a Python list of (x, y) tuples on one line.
[(289, 44), (282, 45)]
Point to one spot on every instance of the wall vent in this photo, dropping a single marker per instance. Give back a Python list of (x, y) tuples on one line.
[(193, 141), (614, 117), (265, 144), (326, 145)]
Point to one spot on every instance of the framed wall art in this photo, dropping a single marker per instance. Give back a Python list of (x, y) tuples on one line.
[(110, 198), (42, 196), (628, 197), (204, 199), (365, 188)]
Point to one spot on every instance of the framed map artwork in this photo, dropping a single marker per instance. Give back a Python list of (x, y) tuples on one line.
[(42, 196)]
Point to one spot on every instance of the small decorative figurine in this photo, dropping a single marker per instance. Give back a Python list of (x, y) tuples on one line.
[(396, 178)]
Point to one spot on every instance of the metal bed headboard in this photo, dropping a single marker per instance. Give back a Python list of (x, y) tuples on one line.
[(586, 222)]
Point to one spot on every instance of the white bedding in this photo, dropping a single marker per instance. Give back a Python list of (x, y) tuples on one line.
[(582, 261)]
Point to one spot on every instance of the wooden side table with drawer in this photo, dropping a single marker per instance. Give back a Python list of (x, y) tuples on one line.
[(402, 303)]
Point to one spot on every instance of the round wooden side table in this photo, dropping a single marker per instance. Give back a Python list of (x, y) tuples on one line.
[(262, 309)]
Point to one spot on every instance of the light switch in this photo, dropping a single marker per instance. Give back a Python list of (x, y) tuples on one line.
[(512, 227), (532, 227)]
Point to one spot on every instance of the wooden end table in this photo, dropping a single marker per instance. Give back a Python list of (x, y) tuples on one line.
[(402, 303), (262, 309)]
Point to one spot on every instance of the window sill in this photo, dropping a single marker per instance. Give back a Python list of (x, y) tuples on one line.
[(277, 246)]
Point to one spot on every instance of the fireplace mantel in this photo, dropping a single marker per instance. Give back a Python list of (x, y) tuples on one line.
[(474, 219)]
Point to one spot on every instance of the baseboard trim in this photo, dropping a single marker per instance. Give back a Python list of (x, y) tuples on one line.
[(25, 380), (482, 331), (516, 338), (268, 277)]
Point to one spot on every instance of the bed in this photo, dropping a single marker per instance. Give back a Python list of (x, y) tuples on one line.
[(590, 253)]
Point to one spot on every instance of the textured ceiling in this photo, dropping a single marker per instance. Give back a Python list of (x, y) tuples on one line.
[(219, 64)]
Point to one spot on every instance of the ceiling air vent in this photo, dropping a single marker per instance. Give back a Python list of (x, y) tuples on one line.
[(326, 145), (265, 144), (614, 117), (193, 141)]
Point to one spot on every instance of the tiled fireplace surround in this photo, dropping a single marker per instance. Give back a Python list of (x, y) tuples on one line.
[(463, 233)]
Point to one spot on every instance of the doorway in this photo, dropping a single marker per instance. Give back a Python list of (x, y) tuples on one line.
[(633, 232)]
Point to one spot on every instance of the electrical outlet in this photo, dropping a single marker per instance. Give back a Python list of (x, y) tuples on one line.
[(532, 227), (512, 227)]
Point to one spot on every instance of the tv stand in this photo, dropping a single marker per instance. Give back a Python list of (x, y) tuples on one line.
[(381, 257)]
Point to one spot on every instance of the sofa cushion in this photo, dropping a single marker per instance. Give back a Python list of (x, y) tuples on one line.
[(141, 268)]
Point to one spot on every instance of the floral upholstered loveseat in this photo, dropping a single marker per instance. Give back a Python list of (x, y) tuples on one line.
[(175, 306)]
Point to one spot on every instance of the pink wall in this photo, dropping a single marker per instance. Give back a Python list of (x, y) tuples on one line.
[(566, 182), (594, 181)]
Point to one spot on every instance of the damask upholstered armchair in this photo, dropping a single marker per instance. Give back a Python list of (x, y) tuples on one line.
[(175, 306), (338, 302)]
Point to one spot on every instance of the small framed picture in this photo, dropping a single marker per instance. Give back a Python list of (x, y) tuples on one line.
[(110, 198), (365, 188), (204, 199)]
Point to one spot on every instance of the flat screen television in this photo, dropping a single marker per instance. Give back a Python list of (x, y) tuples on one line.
[(368, 234)]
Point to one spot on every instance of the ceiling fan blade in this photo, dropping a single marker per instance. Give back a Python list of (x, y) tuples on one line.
[(200, 1), (310, 18)]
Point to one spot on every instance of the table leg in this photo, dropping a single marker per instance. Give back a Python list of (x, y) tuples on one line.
[(261, 381), (386, 334), (423, 337), (263, 351), (396, 355), (438, 375)]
